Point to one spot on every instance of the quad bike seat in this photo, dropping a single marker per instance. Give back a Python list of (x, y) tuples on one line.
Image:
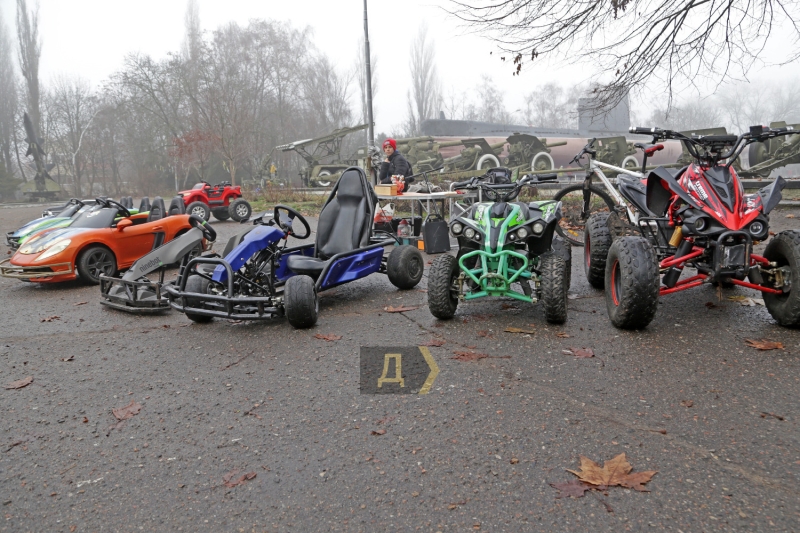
[(344, 224), (157, 210), (635, 191)]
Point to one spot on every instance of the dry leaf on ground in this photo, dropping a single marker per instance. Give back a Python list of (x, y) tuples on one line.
[(790, 215), (617, 471), (67, 359), (79, 303), (129, 411), (469, 356), (764, 344), (330, 337), (746, 301), (51, 318), (230, 480), (562, 335), (687, 403), (580, 353), (24, 382), (573, 488), (506, 307), (711, 305), (519, 330), (400, 309), (378, 433), (434, 342)]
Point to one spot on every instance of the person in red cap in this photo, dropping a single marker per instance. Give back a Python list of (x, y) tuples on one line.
[(394, 165)]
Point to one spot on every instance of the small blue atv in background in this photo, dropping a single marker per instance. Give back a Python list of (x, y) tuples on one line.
[(257, 278)]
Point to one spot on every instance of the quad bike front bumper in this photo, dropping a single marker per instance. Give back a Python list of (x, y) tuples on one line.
[(494, 274)]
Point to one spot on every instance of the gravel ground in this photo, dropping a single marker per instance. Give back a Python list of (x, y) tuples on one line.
[(686, 397)]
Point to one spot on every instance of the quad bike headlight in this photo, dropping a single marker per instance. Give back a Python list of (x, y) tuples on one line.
[(538, 228), (756, 228), (700, 224), (512, 236), (522, 233), (56, 248), (456, 228), (469, 233)]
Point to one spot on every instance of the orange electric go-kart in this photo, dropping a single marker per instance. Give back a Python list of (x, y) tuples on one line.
[(102, 240)]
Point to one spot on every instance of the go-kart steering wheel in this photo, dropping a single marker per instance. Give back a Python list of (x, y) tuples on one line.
[(107, 202), (208, 232), (286, 222)]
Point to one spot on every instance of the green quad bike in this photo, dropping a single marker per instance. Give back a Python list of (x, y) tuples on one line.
[(502, 243)]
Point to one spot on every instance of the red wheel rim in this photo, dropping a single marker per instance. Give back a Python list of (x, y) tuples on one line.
[(615, 282)]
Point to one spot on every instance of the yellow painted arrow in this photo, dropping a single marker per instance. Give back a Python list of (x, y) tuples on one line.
[(426, 387)]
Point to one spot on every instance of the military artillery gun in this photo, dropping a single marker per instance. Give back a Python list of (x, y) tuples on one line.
[(764, 157), (325, 163), (42, 186), (617, 151), (530, 152)]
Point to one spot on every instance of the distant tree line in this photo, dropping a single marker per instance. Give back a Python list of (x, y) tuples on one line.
[(212, 111)]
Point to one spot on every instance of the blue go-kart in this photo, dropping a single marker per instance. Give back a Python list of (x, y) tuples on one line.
[(260, 277)]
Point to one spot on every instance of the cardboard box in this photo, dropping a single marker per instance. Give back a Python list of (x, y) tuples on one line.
[(389, 190)]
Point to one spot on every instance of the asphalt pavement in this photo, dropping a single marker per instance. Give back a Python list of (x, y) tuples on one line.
[(254, 426)]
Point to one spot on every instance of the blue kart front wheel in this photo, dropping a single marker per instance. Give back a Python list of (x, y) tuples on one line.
[(301, 302), (405, 267)]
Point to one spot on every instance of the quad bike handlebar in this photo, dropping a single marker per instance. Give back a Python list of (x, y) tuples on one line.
[(495, 192)]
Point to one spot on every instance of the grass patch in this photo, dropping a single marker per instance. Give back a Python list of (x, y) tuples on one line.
[(307, 202)]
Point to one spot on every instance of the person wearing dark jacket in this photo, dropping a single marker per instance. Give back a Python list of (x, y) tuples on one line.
[(395, 164)]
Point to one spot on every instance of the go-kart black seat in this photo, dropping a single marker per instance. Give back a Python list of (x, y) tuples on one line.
[(176, 207), (344, 224), (157, 210), (126, 202), (144, 205)]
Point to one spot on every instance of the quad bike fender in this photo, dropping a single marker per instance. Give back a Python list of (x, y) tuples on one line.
[(254, 241), (771, 194), (657, 197), (170, 253)]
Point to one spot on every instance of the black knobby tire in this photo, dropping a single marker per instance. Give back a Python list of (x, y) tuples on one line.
[(563, 249), (784, 249), (573, 220), (93, 261), (597, 241), (442, 295), (632, 283), (240, 210), (554, 288), (221, 213), (301, 301), (200, 209), (405, 267), (197, 284)]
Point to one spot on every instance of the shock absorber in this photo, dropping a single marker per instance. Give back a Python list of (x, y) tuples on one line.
[(674, 272)]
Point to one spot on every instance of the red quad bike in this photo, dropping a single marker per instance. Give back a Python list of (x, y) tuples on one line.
[(699, 217), (221, 200)]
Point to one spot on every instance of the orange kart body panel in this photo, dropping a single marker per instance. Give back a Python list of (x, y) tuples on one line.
[(127, 244)]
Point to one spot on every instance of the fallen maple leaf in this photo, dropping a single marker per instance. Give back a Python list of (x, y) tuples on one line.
[(562, 335), (330, 337), (573, 488), (617, 471), (378, 433), (580, 353), (519, 330), (129, 411), (229, 481), (24, 382), (400, 309), (434, 342), (764, 344), (51, 318)]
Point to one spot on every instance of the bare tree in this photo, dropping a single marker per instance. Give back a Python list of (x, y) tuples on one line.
[(551, 106), (746, 105), (30, 50), (8, 100), (491, 107), (425, 96), (697, 114), (632, 41)]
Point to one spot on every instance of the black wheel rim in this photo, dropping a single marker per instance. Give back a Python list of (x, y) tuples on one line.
[(415, 267), (100, 262)]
